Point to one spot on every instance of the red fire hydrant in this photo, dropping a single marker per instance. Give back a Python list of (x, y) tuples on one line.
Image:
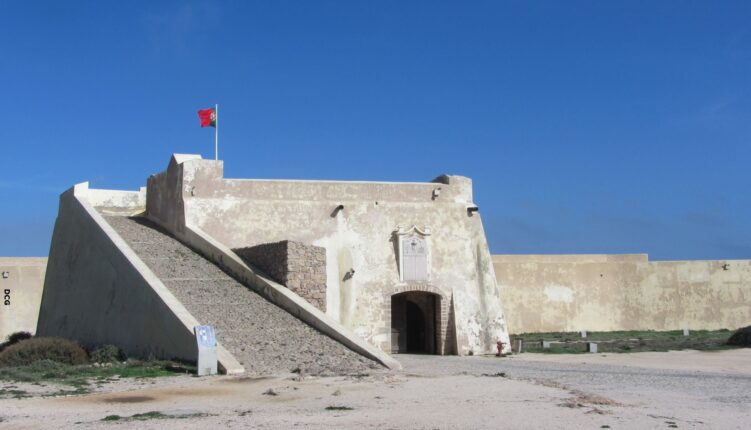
[(499, 345)]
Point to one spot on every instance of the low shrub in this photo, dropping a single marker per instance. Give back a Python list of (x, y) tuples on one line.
[(741, 337), (14, 339), (106, 354), (35, 349)]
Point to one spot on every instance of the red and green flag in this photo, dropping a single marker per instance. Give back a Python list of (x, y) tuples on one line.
[(207, 117), (210, 118)]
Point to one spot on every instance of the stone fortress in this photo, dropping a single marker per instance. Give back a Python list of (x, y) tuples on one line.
[(344, 272), (377, 267)]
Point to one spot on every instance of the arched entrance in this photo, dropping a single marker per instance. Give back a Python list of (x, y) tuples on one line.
[(414, 322)]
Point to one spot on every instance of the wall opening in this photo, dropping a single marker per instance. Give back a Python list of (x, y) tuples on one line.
[(414, 320)]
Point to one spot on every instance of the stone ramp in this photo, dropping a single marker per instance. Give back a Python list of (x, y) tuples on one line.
[(263, 337)]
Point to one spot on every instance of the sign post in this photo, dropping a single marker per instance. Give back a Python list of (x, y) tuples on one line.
[(206, 341)]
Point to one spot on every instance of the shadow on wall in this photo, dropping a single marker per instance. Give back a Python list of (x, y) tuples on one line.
[(346, 293)]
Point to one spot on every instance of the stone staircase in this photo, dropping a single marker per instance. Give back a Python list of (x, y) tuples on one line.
[(265, 339)]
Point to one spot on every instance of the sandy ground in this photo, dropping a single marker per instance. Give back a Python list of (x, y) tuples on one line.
[(730, 361), (687, 389)]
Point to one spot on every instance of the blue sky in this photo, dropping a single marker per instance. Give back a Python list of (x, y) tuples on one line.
[(587, 127)]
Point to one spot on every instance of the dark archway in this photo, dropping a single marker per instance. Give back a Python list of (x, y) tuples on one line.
[(415, 328), (413, 322)]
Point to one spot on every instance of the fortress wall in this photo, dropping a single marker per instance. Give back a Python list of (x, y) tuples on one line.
[(117, 200), (243, 213), (571, 258), (698, 294), (97, 291), (279, 295), (338, 190), (166, 196), (21, 284), (297, 266), (604, 293)]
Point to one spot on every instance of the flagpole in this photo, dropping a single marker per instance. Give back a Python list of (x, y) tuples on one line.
[(216, 132)]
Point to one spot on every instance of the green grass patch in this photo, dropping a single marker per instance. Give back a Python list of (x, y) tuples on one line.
[(16, 394), (83, 389), (573, 349), (339, 408), (153, 415), (80, 376), (112, 418)]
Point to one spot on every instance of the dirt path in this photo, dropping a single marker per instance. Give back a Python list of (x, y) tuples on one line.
[(527, 392)]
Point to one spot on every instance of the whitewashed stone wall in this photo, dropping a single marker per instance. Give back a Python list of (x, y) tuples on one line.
[(358, 224)]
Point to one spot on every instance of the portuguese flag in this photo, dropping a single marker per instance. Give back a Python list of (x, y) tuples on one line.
[(207, 117)]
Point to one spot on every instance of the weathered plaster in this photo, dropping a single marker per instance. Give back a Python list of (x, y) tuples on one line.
[(21, 284), (98, 291), (622, 292), (242, 213), (167, 194), (116, 201)]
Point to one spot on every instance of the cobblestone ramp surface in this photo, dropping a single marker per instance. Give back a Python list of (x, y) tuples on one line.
[(265, 338)]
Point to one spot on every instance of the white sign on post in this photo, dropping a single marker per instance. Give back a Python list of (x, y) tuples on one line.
[(206, 341)]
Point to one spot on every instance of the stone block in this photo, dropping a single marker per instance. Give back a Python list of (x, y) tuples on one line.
[(300, 267)]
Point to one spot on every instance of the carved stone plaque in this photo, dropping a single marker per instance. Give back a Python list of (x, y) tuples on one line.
[(415, 260)]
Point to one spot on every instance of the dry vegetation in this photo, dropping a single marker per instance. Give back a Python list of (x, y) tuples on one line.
[(65, 364)]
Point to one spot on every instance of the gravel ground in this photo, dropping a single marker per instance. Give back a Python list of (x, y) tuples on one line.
[(266, 339), (709, 387), (529, 391)]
